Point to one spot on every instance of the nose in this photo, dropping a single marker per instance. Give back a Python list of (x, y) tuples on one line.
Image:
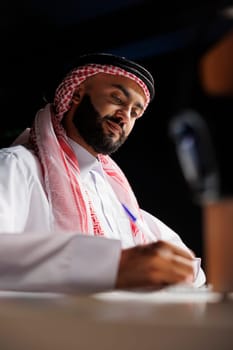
[(124, 113)]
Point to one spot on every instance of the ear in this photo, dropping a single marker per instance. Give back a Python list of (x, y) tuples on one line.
[(77, 96)]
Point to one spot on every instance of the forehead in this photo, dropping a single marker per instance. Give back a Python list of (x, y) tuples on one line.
[(103, 80)]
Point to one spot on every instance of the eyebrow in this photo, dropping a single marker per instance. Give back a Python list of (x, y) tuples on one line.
[(127, 94)]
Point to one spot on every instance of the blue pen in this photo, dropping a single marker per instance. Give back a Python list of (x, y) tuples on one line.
[(143, 228)]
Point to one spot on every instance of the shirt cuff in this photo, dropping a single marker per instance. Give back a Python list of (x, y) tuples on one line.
[(95, 263)]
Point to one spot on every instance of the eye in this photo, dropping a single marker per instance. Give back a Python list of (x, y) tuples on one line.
[(135, 113), (117, 99)]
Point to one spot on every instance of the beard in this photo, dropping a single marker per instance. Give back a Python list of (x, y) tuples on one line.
[(90, 125)]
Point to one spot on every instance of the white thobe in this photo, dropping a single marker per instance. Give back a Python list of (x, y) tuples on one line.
[(34, 258)]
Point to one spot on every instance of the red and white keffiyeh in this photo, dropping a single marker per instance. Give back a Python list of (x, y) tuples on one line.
[(71, 207)]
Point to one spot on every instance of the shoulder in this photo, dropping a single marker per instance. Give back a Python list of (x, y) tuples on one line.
[(19, 157), (19, 152)]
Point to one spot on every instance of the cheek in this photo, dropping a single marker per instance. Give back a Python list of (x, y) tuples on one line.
[(100, 105), (102, 109), (129, 127)]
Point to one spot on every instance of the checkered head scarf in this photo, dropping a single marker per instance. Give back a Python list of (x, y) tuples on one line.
[(92, 64), (71, 207)]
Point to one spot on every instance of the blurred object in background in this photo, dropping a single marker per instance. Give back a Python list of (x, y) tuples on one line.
[(208, 170), (196, 155)]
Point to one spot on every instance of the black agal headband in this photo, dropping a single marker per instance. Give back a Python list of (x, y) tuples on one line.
[(118, 61)]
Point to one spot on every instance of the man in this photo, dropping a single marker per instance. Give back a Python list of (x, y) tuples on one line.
[(69, 219)]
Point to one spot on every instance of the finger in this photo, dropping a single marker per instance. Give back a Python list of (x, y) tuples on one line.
[(171, 267), (182, 267), (185, 252), (161, 278), (167, 257)]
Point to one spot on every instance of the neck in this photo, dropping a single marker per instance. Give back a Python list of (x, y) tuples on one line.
[(74, 134)]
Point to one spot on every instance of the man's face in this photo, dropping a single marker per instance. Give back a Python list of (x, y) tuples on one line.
[(92, 128), (108, 108)]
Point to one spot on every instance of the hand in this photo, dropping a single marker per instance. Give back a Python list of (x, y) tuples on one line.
[(154, 265)]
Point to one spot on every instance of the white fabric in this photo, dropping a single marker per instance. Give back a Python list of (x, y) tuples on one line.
[(67, 263), (24, 210), (109, 210)]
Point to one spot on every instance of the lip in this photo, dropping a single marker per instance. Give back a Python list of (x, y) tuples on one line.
[(115, 128)]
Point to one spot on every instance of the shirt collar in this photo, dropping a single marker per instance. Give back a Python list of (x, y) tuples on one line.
[(86, 160)]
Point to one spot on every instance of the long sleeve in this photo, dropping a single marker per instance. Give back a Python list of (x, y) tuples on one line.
[(32, 257), (65, 262)]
